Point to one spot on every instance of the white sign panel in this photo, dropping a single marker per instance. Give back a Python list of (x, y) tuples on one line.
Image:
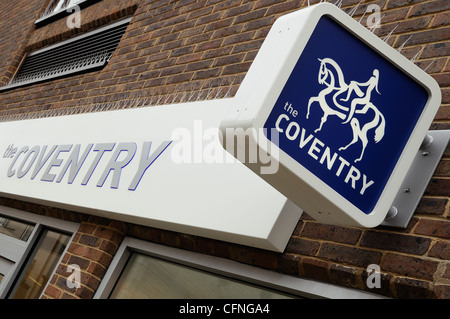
[(157, 166), (342, 111)]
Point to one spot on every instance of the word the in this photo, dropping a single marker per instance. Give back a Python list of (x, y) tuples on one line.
[(54, 165), (10, 151)]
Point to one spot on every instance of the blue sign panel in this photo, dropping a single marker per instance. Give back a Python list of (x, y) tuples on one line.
[(346, 113)]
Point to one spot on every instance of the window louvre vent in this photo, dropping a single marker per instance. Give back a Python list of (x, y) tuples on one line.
[(85, 52)]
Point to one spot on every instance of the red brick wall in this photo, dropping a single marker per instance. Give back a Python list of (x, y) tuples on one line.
[(172, 47)]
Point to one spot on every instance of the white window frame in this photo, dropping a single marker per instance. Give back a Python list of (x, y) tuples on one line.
[(302, 287), (23, 250), (59, 11)]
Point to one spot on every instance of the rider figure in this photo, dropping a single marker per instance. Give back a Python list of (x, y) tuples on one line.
[(363, 99)]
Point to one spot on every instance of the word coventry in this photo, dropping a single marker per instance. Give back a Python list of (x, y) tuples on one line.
[(54, 165)]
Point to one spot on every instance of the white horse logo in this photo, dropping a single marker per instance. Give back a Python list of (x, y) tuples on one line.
[(361, 104)]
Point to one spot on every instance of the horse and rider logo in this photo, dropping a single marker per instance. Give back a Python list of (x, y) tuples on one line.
[(337, 90)]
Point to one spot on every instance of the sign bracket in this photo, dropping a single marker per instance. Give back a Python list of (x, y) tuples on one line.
[(416, 181)]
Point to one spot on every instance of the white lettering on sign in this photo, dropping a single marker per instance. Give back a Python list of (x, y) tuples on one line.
[(54, 167), (319, 151)]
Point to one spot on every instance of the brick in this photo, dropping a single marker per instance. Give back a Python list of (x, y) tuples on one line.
[(182, 50), (108, 233), (315, 269), (438, 186), (407, 288), (84, 293), (97, 256), (61, 283), (108, 247), (83, 263), (331, 233), (349, 255), (288, 264), (236, 68), (65, 295), (218, 25), (409, 266), (441, 19), (432, 206), (257, 24), (230, 59), (435, 228), (265, 3), (184, 77), (254, 44), (302, 246), (89, 281), (446, 274), (250, 16), (284, 7), (345, 276), (442, 291), (199, 13), (396, 242), (427, 36), (88, 240), (200, 65), (189, 58), (217, 52), (226, 31), (207, 73), (436, 49), (235, 11), (429, 7), (208, 45), (52, 292), (441, 249)]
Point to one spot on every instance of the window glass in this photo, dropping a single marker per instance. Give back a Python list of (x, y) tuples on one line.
[(48, 253), (1, 277), (64, 4), (14, 228), (147, 277)]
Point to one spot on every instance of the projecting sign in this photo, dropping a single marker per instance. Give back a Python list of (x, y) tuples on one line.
[(342, 111)]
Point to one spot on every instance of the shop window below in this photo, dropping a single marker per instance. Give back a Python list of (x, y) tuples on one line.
[(146, 277), (15, 228), (144, 270), (46, 257)]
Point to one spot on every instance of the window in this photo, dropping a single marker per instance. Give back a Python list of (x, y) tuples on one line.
[(146, 270), (31, 247), (60, 8), (47, 255), (58, 5), (145, 277), (83, 53), (5, 267), (14, 228)]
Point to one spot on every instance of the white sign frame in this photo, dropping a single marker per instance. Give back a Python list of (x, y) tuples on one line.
[(262, 86)]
